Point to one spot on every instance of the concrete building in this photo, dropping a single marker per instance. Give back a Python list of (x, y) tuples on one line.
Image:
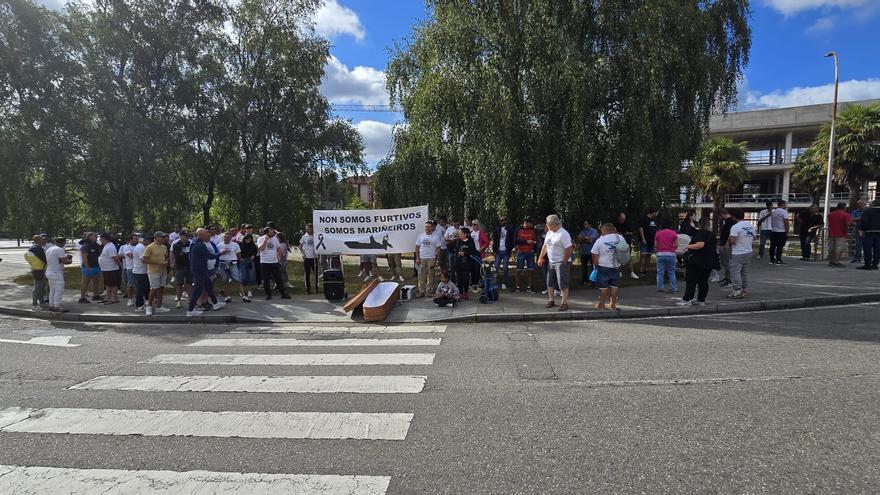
[(775, 138), (360, 186)]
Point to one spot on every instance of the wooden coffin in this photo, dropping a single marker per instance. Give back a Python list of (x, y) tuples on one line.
[(361, 296), (380, 301)]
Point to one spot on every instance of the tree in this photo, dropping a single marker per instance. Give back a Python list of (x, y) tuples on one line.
[(720, 168), (567, 106), (856, 153)]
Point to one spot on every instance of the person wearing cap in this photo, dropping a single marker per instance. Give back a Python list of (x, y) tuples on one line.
[(139, 269), (36, 258), (203, 283), (56, 259), (156, 259), (91, 271), (108, 261), (267, 245), (179, 260), (126, 255)]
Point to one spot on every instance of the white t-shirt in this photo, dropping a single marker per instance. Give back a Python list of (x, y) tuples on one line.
[(54, 267), (428, 245), (557, 242), (124, 250), (439, 232), (137, 264), (777, 219), (105, 260), (173, 236), (451, 234), (270, 254), (307, 245), (766, 225), (233, 249), (475, 235), (502, 240), (217, 239), (744, 234), (606, 247)]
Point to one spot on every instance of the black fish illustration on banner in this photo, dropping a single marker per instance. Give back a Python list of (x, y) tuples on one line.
[(373, 244)]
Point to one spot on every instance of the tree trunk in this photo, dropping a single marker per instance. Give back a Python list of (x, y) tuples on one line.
[(855, 193), (716, 214)]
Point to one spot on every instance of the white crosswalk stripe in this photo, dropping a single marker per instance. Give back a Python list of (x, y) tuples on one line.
[(165, 423), (23, 480), (394, 384), (414, 359), (341, 330), (313, 342)]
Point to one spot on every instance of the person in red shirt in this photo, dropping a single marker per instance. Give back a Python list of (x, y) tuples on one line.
[(525, 239), (839, 222)]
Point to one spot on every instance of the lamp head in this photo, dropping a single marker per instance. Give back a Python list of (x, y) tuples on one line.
[(831, 54)]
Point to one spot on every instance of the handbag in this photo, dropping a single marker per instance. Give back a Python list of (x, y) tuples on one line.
[(594, 275)]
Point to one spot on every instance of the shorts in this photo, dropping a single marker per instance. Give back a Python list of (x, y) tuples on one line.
[(525, 260), (228, 272), (368, 258), (158, 280), (559, 275), (183, 277), (838, 245), (646, 248), (130, 281), (90, 272), (112, 278), (607, 278)]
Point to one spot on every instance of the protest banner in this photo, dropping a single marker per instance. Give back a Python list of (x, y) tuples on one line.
[(368, 231)]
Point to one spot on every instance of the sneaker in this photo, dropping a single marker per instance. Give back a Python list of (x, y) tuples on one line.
[(285, 296), (863, 267), (98, 298), (84, 300), (250, 295), (130, 303), (148, 310), (737, 294), (530, 290), (227, 300), (219, 305), (178, 305), (685, 303), (671, 291), (661, 289), (544, 292), (176, 298), (725, 285), (503, 286), (162, 309), (516, 289), (367, 278), (717, 278), (207, 306), (633, 275), (245, 299), (400, 278), (195, 312), (381, 278), (139, 309), (290, 285)]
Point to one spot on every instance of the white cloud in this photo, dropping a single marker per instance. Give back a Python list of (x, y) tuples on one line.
[(853, 90), (333, 19), (377, 139), (822, 25), (792, 7), (361, 85)]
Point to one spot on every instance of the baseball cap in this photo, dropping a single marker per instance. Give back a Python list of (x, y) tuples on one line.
[(159, 233)]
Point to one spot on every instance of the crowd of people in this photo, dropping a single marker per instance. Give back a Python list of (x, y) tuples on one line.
[(207, 269)]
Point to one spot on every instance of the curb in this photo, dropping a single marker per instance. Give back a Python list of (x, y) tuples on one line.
[(578, 315)]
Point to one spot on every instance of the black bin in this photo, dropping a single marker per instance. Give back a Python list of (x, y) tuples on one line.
[(334, 285)]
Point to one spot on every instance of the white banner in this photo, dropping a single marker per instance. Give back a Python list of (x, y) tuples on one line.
[(368, 231)]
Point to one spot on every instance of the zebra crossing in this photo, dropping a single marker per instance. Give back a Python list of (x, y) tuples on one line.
[(357, 346)]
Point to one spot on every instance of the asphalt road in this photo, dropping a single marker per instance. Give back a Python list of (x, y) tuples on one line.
[(774, 402)]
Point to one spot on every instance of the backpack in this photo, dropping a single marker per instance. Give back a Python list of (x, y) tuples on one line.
[(622, 253)]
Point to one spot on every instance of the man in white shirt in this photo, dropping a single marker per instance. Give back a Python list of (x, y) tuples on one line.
[(139, 270), (427, 250), (779, 232), (556, 254), (56, 258), (450, 236), (126, 254), (440, 232), (765, 227), (310, 258), (267, 245), (109, 263), (607, 268), (742, 235), (216, 235), (230, 255)]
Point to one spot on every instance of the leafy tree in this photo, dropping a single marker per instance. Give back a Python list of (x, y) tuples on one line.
[(720, 168), (856, 152), (569, 106)]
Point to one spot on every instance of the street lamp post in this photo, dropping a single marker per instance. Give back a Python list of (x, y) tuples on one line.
[(831, 140)]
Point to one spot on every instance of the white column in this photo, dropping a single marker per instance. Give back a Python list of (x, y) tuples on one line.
[(788, 138), (786, 184)]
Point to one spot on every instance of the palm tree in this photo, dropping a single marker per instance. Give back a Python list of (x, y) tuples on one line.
[(856, 154), (719, 169)]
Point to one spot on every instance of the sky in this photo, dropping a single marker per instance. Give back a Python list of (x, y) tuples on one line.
[(787, 66)]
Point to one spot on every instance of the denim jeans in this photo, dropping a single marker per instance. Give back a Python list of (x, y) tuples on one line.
[(871, 244), (807, 241), (666, 266), (857, 245), (765, 236), (502, 261)]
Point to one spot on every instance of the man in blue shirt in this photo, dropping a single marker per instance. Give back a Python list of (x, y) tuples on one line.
[(586, 239), (199, 256), (857, 237)]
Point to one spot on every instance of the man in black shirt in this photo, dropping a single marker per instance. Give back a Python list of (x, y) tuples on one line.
[(91, 271), (183, 278), (810, 223), (647, 230), (727, 222)]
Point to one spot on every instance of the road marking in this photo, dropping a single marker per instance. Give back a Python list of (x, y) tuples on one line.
[(166, 423), (361, 330), (34, 480), (257, 384), (313, 342), (56, 341), (295, 359)]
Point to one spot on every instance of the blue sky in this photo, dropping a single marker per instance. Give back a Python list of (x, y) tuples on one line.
[(787, 67)]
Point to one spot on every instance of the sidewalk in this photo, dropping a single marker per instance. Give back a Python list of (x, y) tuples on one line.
[(796, 284)]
